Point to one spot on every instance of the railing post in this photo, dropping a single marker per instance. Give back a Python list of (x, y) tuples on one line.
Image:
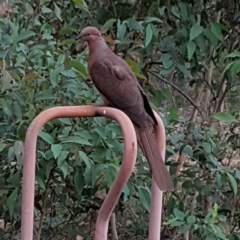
[(130, 152), (156, 193)]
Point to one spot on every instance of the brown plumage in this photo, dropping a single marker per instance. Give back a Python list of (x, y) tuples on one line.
[(119, 88)]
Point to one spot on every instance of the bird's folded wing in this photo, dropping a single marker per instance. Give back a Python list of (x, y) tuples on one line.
[(120, 88)]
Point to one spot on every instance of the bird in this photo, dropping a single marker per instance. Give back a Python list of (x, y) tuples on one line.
[(119, 88)]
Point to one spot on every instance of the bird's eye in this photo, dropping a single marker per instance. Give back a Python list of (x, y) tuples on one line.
[(88, 34)]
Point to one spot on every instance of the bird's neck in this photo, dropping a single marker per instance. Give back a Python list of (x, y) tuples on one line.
[(97, 47)]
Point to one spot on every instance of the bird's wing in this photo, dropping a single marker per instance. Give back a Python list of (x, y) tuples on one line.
[(120, 87)]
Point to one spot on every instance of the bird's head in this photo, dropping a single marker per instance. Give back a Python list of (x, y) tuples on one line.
[(89, 34)]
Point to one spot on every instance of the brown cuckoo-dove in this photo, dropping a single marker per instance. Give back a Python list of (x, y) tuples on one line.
[(119, 88)]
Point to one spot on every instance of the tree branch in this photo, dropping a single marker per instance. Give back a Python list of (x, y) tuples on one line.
[(178, 89)]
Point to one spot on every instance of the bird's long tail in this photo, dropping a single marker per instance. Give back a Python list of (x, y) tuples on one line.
[(150, 149)]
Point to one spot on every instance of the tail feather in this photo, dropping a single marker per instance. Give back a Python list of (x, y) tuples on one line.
[(150, 150)]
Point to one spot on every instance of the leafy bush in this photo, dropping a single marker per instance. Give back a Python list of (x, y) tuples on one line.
[(184, 53)]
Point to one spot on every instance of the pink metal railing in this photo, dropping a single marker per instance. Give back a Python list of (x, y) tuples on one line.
[(129, 158)]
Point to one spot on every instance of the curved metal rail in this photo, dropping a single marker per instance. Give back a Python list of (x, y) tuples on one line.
[(129, 159), (156, 194)]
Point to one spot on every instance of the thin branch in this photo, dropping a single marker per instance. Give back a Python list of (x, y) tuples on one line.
[(40, 226), (113, 227), (221, 100), (114, 9), (176, 88), (206, 83), (171, 78), (30, 63), (200, 91)]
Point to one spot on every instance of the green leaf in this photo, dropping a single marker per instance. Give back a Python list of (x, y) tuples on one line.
[(217, 31), (229, 65), (110, 174), (96, 173), (2, 146), (5, 107), (237, 172), (64, 168), (144, 196), (14, 34), (101, 131), (48, 168), (211, 237), (25, 35), (225, 117), (149, 35), (191, 48), (207, 147), (11, 202), (153, 19), (187, 185), (133, 24), (108, 24), (78, 180), (185, 228), (29, 8), (79, 3), (191, 220), (62, 156), (222, 218), (176, 137), (76, 139), (232, 182), (171, 221), (88, 176), (182, 68), (213, 160), (66, 121), (57, 11), (177, 223), (121, 30), (133, 65), (215, 208), (233, 54), (195, 31), (15, 179), (18, 147), (56, 150), (5, 80), (65, 30), (175, 12), (178, 214), (67, 42), (85, 158), (224, 178), (208, 33), (79, 67), (184, 11), (166, 60), (202, 44), (46, 10), (46, 137), (188, 150), (54, 76), (40, 182), (164, 92), (45, 95), (235, 68)]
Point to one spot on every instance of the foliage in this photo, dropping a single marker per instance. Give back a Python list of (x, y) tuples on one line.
[(184, 53)]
